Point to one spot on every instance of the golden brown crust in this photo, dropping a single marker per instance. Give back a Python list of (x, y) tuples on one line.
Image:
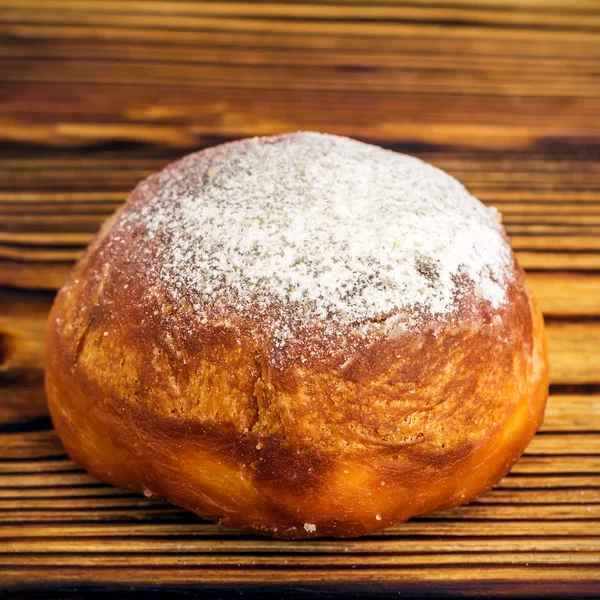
[(148, 398), (338, 434)]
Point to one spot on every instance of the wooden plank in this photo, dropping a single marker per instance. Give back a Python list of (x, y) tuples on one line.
[(583, 19), (508, 4), (489, 580), (376, 56), (574, 352), (201, 561), (561, 261), (547, 482), (31, 444), (54, 539), (22, 401), (173, 115), (288, 109), (107, 72), (533, 496), (482, 135), (558, 444), (566, 293), (52, 197), (448, 40), (536, 465), (50, 479), (217, 18), (33, 275), (572, 412), (554, 245)]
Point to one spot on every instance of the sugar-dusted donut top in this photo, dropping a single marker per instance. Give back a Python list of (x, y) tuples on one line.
[(321, 226)]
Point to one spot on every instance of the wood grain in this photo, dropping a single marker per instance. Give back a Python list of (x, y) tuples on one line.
[(503, 94)]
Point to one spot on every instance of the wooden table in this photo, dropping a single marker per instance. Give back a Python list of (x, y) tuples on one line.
[(504, 94)]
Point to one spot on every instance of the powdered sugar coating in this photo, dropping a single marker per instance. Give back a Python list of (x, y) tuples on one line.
[(338, 229)]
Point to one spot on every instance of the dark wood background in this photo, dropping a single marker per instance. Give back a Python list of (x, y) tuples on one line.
[(504, 94)]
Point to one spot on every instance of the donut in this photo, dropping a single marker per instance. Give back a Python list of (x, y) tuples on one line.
[(299, 336)]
